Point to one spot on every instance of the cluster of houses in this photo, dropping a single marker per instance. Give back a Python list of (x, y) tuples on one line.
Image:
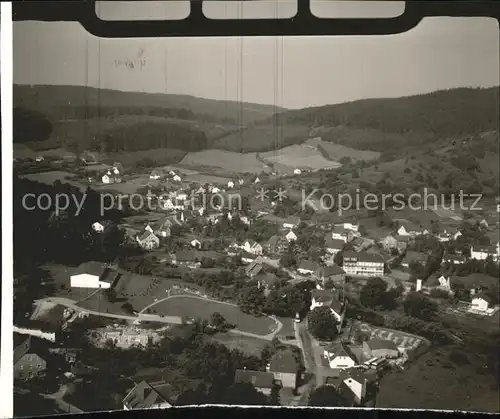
[(113, 175)]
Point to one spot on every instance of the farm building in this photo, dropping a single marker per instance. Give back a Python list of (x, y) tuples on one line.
[(92, 275), (481, 303), (155, 174), (380, 348)]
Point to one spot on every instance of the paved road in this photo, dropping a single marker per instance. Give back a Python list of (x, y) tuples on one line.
[(62, 404), (143, 317)]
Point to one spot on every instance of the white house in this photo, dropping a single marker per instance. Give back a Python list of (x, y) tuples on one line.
[(333, 246), (291, 236), (106, 178), (356, 382), (307, 267), (339, 356), (408, 229), (252, 247), (482, 253), (257, 180), (348, 226), (215, 189), (230, 184), (155, 175), (172, 173), (291, 223), (90, 275), (297, 171), (100, 226), (176, 178), (181, 196), (444, 283), (39, 159), (481, 303), (244, 219), (145, 396), (116, 171), (196, 243), (241, 181)]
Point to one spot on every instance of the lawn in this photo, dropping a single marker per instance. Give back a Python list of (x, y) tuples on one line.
[(228, 160), (435, 382), (337, 151), (299, 156), (50, 177), (246, 344), (185, 306)]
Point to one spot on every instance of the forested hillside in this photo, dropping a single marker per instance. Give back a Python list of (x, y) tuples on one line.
[(380, 124)]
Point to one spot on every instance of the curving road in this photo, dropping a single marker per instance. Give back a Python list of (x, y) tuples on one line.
[(66, 302)]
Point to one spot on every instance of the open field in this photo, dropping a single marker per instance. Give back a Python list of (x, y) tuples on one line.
[(50, 177), (299, 156), (185, 306), (227, 160), (337, 151), (435, 381)]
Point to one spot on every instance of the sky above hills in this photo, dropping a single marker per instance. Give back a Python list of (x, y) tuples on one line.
[(291, 72)]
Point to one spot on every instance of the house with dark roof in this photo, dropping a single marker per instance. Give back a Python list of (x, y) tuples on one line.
[(285, 368), (407, 228), (327, 298), (187, 258), (147, 396), (333, 246), (28, 363), (160, 228), (339, 356), (148, 240), (351, 383), (276, 245), (291, 223), (253, 268), (363, 264), (400, 243), (262, 381), (414, 257), (266, 282), (454, 259), (339, 232), (380, 348), (307, 267), (330, 273)]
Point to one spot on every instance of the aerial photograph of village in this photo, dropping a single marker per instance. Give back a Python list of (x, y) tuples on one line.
[(269, 221)]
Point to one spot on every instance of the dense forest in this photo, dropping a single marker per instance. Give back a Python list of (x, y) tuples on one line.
[(52, 100)]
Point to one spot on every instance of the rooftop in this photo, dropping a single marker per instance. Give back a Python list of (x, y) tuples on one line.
[(284, 361), (144, 396), (259, 379), (91, 268)]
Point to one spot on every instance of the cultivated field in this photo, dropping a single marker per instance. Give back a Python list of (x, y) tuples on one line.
[(299, 156), (229, 161), (337, 151), (194, 307)]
